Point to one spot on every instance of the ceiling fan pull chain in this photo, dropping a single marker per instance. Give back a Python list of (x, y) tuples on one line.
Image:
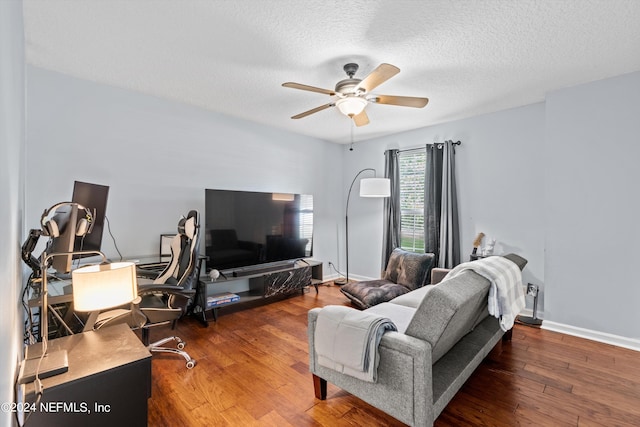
[(352, 126)]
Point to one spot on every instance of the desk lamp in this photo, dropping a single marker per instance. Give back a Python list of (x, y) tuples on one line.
[(369, 187), (95, 288), (103, 286)]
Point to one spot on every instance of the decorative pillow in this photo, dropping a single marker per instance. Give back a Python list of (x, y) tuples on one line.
[(371, 292), (409, 269)]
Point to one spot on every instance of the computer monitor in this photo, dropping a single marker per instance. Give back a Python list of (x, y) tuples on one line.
[(94, 198)]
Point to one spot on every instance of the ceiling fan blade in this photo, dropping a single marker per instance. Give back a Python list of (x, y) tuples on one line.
[(361, 119), (313, 110), (309, 88), (378, 76), (403, 101)]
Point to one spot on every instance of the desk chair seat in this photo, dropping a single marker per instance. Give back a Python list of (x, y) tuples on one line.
[(165, 299)]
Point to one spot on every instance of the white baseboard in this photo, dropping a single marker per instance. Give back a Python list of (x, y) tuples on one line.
[(334, 276), (617, 340), (328, 277), (527, 312), (361, 278)]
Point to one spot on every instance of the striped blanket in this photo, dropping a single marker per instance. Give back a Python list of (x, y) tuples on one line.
[(506, 296)]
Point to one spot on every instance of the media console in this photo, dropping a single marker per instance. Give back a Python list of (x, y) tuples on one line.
[(259, 269), (267, 283)]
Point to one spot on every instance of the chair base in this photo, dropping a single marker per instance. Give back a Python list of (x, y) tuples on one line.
[(156, 347)]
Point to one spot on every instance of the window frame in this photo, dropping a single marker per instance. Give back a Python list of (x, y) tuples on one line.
[(411, 170)]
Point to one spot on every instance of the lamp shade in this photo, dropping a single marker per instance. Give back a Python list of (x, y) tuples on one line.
[(351, 105), (98, 287), (375, 187)]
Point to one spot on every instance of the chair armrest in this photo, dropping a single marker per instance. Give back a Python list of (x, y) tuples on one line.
[(147, 274), (403, 358), (437, 274), (165, 289)]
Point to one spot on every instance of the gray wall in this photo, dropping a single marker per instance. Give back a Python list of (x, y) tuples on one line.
[(158, 157), (500, 186), (592, 205), (555, 182), (527, 177), (12, 104)]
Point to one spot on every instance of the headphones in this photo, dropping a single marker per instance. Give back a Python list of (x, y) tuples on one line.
[(51, 227)]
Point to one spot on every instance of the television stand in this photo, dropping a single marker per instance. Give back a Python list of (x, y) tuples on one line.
[(267, 283), (264, 268)]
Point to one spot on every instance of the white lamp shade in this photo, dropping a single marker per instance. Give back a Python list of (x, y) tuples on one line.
[(375, 187), (98, 287), (351, 105)]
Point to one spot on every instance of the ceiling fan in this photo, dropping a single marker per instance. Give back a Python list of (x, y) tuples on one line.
[(353, 95)]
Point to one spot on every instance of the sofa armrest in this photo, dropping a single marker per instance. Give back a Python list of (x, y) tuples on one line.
[(404, 375), (437, 274), (414, 347)]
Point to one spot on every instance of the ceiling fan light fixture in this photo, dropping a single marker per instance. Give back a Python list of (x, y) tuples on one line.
[(351, 105)]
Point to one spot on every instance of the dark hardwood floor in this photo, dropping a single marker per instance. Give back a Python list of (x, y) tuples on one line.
[(253, 370)]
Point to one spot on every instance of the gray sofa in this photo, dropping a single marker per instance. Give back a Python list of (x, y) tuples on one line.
[(444, 333)]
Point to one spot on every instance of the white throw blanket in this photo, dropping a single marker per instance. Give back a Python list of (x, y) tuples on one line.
[(506, 296), (346, 340)]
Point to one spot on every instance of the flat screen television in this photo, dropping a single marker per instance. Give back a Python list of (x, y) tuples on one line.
[(248, 228), (93, 197)]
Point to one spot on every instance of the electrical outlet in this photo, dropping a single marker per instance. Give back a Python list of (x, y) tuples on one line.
[(532, 290)]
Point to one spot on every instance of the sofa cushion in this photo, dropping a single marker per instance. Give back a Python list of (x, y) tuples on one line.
[(449, 311), (372, 292), (414, 298), (409, 269)]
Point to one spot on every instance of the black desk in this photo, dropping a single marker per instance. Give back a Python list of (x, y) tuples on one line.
[(107, 384), (62, 318)]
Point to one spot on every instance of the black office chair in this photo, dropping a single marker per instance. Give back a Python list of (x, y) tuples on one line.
[(163, 300)]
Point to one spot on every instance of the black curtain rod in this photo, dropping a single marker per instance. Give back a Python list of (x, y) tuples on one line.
[(438, 144)]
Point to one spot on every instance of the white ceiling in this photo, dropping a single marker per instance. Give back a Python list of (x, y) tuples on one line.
[(467, 57)]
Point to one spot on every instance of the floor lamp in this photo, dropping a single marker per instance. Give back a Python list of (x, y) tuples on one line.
[(369, 187)]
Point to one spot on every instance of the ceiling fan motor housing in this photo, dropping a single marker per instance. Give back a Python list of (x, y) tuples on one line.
[(350, 69), (347, 86)]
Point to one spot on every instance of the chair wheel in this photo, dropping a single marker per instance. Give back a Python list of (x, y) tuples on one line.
[(191, 363), (180, 345)]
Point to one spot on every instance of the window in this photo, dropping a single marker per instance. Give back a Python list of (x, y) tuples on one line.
[(306, 220), (412, 170)]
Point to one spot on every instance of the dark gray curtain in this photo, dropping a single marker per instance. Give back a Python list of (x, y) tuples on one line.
[(441, 205), (391, 226), (449, 230), (432, 199)]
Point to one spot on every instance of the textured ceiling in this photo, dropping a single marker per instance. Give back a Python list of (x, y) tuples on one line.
[(467, 57)]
